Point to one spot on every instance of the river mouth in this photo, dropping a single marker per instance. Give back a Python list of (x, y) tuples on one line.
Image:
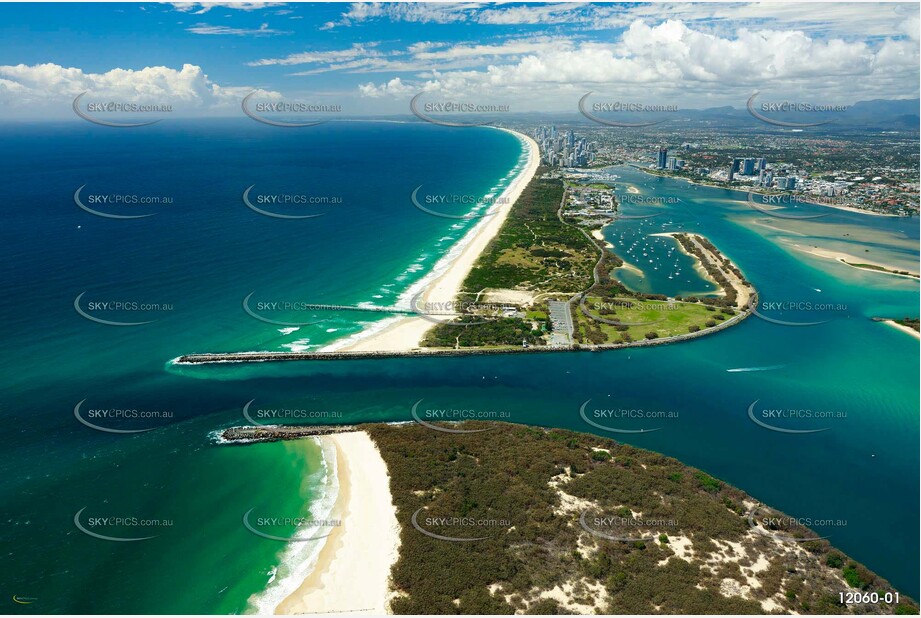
[(847, 363)]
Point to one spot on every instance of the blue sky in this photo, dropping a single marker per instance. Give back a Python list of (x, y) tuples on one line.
[(372, 58)]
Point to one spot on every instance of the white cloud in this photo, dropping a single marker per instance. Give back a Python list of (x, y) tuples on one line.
[(263, 30), (423, 46), (860, 19), (357, 50), (395, 87), (45, 85), (422, 56), (199, 8), (674, 62), (511, 47), (440, 12)]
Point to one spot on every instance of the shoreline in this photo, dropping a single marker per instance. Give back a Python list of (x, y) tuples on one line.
[(269, 356), (853, 261), (903, 328), (745, 295), (598, 235), (744, 292), (698, 265), (803, 199), (405, 333), (364, 548)]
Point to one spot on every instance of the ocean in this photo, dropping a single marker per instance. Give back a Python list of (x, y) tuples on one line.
[(188, 269)]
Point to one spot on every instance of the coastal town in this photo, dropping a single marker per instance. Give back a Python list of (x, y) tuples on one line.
[(857, 171), (421, 308), (568, 193)]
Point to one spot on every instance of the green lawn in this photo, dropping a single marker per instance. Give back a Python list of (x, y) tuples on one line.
[(644, 316)]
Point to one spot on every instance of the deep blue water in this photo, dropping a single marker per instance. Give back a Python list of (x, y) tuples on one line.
[(207, 251)]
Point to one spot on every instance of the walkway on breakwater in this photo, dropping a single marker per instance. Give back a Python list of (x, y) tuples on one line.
[(274, 433), (263, 357)]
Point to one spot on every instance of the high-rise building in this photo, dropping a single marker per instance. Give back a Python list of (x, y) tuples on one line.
[(671, 163), (748, 167), (663, 156)]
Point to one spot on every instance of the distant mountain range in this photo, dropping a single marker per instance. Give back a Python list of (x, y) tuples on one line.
[(902, 114), (878, 114)]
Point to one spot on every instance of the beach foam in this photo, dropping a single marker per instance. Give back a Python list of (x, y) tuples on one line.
[(363, 549), (297, 560), (445, 278)]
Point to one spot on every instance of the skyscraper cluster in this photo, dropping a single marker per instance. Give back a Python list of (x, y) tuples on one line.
[(747, 167), (759, 167), (563, 148), (665, 162)]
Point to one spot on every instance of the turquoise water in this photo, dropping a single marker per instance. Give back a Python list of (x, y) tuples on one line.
[(198, 258), (206, 252)]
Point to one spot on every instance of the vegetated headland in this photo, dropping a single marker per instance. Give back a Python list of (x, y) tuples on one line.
[(522, 519)]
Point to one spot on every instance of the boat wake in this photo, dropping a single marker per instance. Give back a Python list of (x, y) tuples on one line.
[(746, 369)]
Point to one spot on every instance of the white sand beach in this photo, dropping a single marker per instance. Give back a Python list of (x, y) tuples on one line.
[(598, 235), (903, 328), (743, 291), (819, 201), (352, 573), (404, 334), (853, 260)]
